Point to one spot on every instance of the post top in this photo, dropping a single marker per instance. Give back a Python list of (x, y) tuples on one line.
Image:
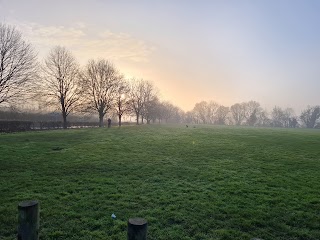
[(28, 203), (137, 221)]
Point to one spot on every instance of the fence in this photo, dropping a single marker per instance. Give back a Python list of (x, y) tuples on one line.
[(29, 223)]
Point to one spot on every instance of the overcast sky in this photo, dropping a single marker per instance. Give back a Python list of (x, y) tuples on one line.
[(226, 51)]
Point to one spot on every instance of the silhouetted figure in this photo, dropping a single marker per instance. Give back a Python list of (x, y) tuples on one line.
[(187, 126), (109, 122)]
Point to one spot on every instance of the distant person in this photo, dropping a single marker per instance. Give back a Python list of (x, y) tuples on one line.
[(109, 122)]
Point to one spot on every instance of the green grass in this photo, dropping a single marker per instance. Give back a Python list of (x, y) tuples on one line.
[(189, 183)]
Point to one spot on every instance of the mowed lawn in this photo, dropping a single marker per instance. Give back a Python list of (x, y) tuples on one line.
[(206, 182)]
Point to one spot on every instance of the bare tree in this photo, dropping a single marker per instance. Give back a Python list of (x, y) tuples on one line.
[(151, 109), (252, 110), (212, 108), (139, 94), (238, 113), (17, 64), (263, 119), (122, 101), (310, 116), (149, 101), (101, 82), (167, 110), (60, 83), (278, 117), (221, 115), (289, 117), (283, 118), (200, 111)]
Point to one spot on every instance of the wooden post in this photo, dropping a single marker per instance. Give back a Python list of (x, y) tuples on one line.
[(28, 219), (137, 229)]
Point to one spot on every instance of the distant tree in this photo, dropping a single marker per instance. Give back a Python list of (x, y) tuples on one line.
[(60, 84), (293, 122), (252, 110), (283, 118), (278, 117), (149, 101), (263, 119), (221, 115), (200, 111), (211, 111), (288, 115), (310, 116), (17, 64), (137, 96), (167, 110), (238, 112), (122, 101), (178, 115), (101, 81), (155, 112)]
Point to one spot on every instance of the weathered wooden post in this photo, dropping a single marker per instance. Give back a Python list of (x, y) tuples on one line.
[(137, 229), (28, 219)]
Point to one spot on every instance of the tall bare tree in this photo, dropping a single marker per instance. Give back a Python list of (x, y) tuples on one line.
[(166, 110), (139, 90), (122, 100), (238, 113), (149, 100), (211, 111), (200, 111), (252, 110), (101, 81), (277, 115), (221, 115), (17, 64), (60, 83), (282, 118), (263, 119)]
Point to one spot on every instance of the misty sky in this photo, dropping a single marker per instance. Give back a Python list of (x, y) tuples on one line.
[(226, 51)]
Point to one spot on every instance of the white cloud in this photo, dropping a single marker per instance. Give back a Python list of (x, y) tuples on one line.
[(86, 42)]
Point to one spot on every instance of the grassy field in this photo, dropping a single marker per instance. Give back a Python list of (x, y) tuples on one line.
[(189, 183)]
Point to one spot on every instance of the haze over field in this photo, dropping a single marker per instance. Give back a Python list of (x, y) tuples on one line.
[(226, 51)]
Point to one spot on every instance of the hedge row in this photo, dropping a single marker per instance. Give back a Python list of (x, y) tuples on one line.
[(20, 126)]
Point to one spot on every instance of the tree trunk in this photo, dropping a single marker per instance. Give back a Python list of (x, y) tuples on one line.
[(65, 124), (64, 112), (101, 119), (137, 119), (120, 120)]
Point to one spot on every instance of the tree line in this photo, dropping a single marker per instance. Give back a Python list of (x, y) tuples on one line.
[(252, 114), (100, 88)]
